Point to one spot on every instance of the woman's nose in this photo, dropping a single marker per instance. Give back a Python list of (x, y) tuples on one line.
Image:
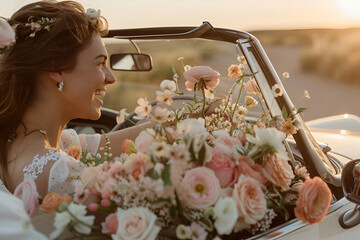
[(109, 76)]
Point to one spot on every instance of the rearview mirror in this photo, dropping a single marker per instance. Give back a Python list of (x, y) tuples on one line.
[(130, 62)]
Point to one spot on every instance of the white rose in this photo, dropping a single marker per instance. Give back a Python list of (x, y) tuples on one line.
[(226, 215), (136, 223), (7, 34)]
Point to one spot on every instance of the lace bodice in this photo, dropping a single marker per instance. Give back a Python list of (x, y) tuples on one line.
[(64, 174)]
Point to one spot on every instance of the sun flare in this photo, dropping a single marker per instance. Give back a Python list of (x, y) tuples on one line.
[(350, 8)]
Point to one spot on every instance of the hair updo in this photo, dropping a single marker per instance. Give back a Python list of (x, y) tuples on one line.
[(55, 50)]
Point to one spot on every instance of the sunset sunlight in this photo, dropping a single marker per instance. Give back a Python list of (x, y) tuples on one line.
[(350, 8)]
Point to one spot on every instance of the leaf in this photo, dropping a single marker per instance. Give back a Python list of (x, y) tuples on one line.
[(165, 176), (202, 152), (162, 200), (206, 223), (284, 112), (300, 110)]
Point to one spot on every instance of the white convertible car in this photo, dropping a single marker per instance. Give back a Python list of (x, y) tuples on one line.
[(147, 56)]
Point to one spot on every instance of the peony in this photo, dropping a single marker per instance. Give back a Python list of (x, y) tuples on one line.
[(223, 165), (249, 168), (92, 177), (225, 214), (138, 164), (110, 225), (314, 201), (144, 139), (200, 188), (250, 199), (27, 192), (204, 74), (136, 223), (278, 171), (7, 34)]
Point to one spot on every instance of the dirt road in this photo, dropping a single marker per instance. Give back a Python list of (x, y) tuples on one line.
[(327, 97)]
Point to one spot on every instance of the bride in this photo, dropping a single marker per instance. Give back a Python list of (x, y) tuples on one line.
[(54, 72)]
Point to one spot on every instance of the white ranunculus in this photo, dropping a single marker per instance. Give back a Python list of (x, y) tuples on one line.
[(136, 223), (269, 137), (168, 85), (226, 215), (63, 219)]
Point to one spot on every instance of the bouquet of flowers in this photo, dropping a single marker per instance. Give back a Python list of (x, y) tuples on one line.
[(210, 174)]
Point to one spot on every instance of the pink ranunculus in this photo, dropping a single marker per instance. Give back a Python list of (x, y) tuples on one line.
[(92, 177), (200, 188), (314, 201), (206, 75), (278, 171), (250, 199), (110, 225), (136, 223), (138, 164), (249, 168), (27, 192), (227, 140), (223, 166), (7, 34)]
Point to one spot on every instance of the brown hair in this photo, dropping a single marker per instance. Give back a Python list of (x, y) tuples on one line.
[(48, 51)]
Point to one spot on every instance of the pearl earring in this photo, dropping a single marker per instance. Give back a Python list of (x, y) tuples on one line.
[(60, 85)]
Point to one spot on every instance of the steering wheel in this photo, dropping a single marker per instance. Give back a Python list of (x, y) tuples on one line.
[(130, 120)]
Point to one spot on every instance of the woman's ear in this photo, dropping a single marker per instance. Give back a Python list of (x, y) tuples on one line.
[(55, 76)]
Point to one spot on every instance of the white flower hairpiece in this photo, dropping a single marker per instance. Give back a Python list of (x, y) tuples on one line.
[(93, 15)]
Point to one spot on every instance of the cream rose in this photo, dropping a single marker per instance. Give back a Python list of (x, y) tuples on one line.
[(136, 223), (200, 188), (250, 199), (314, 201), (92, 177), (278, 171)]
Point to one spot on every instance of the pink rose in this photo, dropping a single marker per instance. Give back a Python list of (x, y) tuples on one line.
[(200, 188), (227, 140), (206, 75), (110, 225), (136, 223), (223, 166), (27, 192), (92, 177), (250, 199), (249, 168), (7, 34), (278, 171), (138, 164), (314, 201)]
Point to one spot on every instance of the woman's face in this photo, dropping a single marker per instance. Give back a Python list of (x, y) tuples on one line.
[(85, 84)]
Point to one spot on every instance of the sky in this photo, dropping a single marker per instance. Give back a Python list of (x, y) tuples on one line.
[(238, 14)]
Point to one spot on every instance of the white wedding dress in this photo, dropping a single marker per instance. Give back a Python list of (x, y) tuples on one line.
[(65, 172)]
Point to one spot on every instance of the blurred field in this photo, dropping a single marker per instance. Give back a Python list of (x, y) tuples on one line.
[(332, 53)]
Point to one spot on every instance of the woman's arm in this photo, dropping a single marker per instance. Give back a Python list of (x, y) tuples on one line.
[(116, 138)]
